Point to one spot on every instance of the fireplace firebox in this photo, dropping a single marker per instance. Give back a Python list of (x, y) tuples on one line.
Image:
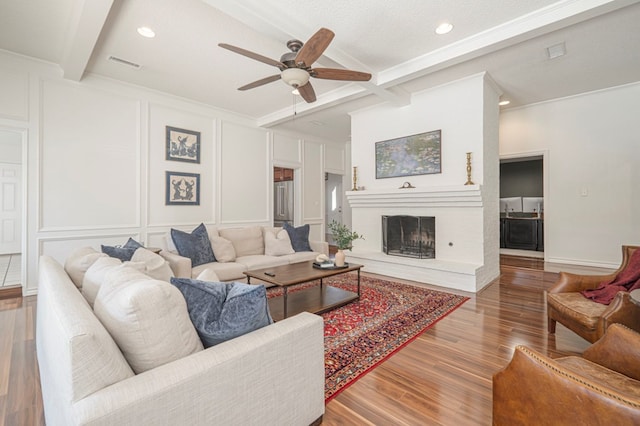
[(409, 236)]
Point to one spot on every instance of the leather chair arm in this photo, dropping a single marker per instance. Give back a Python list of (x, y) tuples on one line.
[(618, 350), (621, 310), (534, 389), (570, 283)]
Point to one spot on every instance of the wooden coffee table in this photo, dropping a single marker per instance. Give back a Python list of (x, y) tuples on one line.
[(315, 299)]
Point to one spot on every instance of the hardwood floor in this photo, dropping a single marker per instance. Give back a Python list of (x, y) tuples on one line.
[(441, 378)]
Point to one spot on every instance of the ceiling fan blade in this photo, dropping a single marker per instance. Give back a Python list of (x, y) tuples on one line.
[(253, 55), (307, 92), (260, 82), (314, 47), (338, 74)]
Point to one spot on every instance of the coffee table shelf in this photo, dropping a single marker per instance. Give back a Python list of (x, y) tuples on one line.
[(316, 299)]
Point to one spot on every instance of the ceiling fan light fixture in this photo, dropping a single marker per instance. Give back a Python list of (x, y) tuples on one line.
[(295, 77)]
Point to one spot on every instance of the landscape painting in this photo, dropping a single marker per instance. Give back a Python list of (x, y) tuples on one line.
[(410, 155)]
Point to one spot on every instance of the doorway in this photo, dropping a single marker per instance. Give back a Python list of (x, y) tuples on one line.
[(11, 207), (333, 202), (283, 196), (523, 187)]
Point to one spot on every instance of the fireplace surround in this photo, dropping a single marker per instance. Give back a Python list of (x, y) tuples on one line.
[(466, 239)]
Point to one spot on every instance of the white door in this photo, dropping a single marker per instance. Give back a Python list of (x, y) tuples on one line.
[(10, 208), (333, 201)]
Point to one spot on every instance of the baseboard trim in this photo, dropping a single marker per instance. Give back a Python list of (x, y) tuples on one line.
[(11, 292)]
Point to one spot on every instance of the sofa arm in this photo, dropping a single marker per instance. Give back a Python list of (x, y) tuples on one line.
[(618, 350), (274, 375), (320, 247), (181, 266), (534, 389)]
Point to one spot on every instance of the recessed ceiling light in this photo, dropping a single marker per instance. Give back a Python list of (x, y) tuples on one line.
[(444, 28), (146, 32), (503, 103)]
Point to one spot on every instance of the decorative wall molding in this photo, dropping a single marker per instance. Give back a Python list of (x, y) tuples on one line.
[(439, 196)]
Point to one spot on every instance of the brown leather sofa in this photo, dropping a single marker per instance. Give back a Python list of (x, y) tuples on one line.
[(585, 317), (600, 388)]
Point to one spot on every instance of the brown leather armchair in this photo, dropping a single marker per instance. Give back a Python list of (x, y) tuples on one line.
[(583, 316), (600, 388)]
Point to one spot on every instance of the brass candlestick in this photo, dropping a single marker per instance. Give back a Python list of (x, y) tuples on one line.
[(469, 182), (355, 178)]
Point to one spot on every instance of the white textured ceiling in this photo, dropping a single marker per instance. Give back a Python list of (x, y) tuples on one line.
[(392, 39)]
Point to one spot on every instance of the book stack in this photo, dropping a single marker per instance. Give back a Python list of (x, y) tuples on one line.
[(325, 264)]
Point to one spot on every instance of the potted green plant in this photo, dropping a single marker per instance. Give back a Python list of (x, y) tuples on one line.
[(343, 238)]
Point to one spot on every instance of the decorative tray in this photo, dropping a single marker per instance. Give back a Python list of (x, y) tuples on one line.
[(330, 268)]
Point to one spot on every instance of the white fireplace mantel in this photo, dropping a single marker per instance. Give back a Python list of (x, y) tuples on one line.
[(457, 210), (434, 196)]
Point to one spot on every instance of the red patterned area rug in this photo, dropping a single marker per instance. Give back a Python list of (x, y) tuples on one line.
[(362, 334)]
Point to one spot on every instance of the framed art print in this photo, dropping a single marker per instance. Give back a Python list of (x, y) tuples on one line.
[(182, 145), (410, 155), (182, 189)]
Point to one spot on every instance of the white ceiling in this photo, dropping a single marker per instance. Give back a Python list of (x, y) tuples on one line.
[(394, 40)]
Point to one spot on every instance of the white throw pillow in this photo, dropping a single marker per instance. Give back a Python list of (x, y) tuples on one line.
[(277, 245), (155, 265), (147, 318), (208, 275), (223, 249), (95, 276), (79, 261)]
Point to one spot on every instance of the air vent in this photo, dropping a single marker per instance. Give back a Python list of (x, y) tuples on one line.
[(556, 51), (124, 62)]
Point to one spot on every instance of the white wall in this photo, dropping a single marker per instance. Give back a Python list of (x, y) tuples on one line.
[(467, 114), (10, 147), (593, 203), (96, 161)]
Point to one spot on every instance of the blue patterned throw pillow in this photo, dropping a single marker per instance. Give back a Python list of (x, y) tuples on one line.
[(223, 311), (299, 237), (123, 253), (196, 245)]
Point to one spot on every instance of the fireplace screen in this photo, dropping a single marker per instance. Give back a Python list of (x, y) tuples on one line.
[(410, 236)]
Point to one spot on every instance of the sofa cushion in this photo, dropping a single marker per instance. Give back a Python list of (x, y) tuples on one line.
[(299, 237), (246, 241), (226, 271), (208, 275), (195, 245), (147, 318), (261, 261), (123, 253), (76, 355), (277, 244), (223, 311), (155, 266), (95, 276), (79, 261), (223, 249), (300, 256)]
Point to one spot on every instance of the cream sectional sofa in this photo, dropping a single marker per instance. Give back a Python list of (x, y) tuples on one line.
[(135, 358), (241, 249)]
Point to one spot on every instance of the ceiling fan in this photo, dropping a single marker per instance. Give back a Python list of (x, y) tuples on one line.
[(295, 66)]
